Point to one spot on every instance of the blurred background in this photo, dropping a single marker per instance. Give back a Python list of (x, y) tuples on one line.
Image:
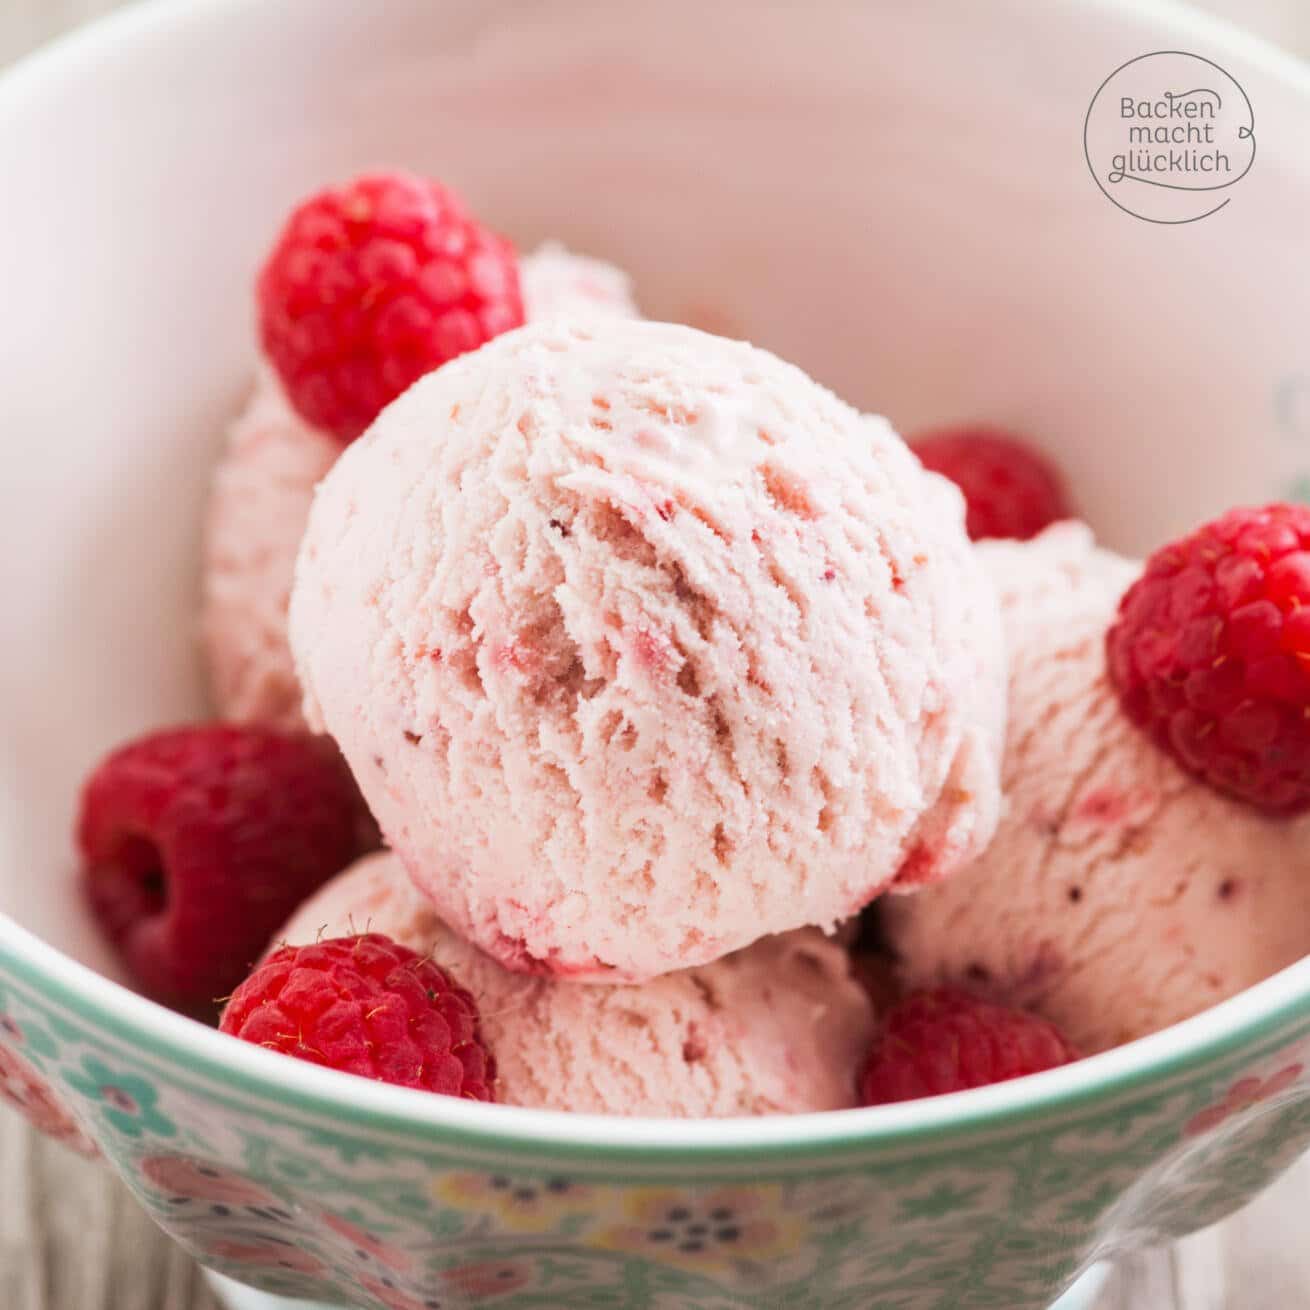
[(71, 1240), (27, 23)]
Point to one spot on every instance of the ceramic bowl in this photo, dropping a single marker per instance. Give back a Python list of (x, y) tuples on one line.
[(894, 196)]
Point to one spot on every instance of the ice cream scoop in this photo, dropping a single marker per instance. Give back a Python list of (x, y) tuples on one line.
[(258, 507), (1119, 895), (260, 500), (778, 1028), (556, 281), (643, 645)]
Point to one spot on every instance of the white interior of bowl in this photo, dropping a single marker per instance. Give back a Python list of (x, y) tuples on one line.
[(893, 196)]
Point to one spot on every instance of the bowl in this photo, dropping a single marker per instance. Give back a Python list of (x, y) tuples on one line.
[(897, 198)]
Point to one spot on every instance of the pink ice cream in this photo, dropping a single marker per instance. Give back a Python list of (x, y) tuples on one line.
[(258, 508), (779, 1028), (260, 501), (1119, 895), (642, 646), (554, 282)]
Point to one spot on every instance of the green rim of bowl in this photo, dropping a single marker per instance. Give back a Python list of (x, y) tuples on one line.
[(1234, 1028)]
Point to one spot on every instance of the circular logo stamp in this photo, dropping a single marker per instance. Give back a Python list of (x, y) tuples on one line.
[(1167, 136)]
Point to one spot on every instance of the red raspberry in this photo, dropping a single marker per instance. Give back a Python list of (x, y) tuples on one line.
[(1210, 654), (367, 1006), (374, 284), (197, 844), (947, 1040), (1010, 490)]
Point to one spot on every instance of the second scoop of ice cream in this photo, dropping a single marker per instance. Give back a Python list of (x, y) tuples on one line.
[(1120, 895), (780, 1028), (258, 507), (642, 645)]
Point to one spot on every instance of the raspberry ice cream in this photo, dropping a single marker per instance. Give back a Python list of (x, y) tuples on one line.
[(642, 646), (257, 513), (555, 281), (1119, 895), (260, 501), (780, 1027)]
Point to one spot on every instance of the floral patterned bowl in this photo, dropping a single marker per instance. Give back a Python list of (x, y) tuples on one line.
[(860, 187)]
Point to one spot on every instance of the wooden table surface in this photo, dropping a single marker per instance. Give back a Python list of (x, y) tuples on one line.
[(72, 1239)]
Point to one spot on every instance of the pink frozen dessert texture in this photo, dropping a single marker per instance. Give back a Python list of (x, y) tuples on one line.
[(642, 645), (1119, 895), (555, 281), (778, 1028), (258, 507), (260, 499)]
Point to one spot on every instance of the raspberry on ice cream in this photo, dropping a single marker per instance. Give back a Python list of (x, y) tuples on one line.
[(197, 842), (373, 284), (780, 1027), (365, 1005), (1210, 654), (1120, 895), (260, 499), (1010, 489), (948, 1040), (643, 645)]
